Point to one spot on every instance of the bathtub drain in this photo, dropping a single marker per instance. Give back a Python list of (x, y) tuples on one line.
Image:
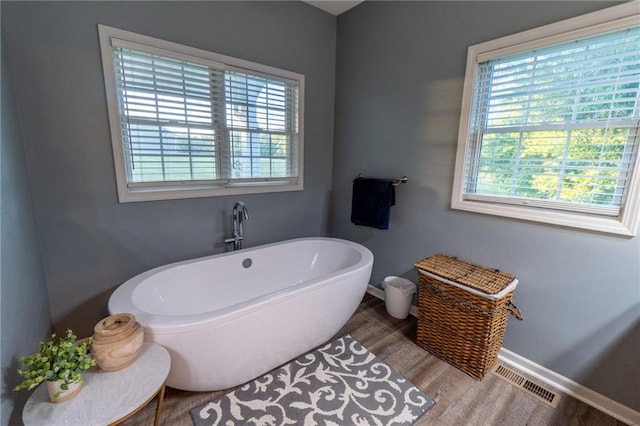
[(247, 262)]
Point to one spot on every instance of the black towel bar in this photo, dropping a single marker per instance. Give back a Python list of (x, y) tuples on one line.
[(396, 182)]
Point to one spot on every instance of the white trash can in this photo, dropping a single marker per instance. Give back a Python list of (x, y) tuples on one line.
[(398, 295)]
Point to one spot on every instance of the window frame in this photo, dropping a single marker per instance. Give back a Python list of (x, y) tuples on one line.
[(610, 19), (190, 189)]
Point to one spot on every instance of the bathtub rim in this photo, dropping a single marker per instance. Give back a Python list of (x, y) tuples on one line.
[(162, 323)]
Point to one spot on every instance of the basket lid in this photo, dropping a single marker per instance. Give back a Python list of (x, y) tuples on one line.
[(486, 280)]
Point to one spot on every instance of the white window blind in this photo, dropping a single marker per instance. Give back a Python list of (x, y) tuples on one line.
[(557, 127), (200, 122), (170, 126), (262, 126)]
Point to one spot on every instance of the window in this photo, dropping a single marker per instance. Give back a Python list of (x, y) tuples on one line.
[(190, 123), (549, 126)]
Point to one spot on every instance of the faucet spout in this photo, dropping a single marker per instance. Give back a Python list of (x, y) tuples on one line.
[(239, 214), (240, 211)]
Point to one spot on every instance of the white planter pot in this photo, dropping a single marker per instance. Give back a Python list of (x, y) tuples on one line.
[(53, 387)]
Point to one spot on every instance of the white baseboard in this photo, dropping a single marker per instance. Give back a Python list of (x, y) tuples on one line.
[(571, 388), (563, 384), (375, 291)]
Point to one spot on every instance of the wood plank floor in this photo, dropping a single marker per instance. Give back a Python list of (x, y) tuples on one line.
[(460, 400)]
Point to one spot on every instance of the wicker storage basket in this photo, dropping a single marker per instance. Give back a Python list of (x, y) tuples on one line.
[(462, 312)]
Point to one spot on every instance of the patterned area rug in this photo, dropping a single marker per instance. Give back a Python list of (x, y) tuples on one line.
[(341, 383)]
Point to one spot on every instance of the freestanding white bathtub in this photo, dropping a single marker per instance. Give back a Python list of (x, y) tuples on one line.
[(228, 318)]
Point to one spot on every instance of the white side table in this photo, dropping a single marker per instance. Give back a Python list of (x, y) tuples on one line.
[(107, 398)]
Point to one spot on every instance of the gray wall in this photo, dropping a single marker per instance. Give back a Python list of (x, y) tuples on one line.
[(90, 242), (25, 318), (399, 73)]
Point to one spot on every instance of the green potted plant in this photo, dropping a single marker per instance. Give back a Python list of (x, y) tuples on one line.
[(58, 362)]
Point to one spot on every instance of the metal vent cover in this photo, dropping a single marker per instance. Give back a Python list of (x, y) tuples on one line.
[(543, 394)]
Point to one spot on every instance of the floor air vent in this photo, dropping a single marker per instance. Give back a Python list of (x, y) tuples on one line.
[(543, 394)]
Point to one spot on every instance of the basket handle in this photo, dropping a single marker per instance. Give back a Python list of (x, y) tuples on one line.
[(513, 310)]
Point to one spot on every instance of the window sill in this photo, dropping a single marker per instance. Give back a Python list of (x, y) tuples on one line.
[(127, 195), (626, 225)]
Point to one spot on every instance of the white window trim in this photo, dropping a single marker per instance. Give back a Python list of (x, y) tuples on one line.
[(608, 19), (132, 194)]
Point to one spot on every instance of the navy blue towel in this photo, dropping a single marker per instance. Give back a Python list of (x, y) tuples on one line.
[(371, 202)]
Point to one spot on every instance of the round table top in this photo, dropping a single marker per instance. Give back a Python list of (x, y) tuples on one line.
[(107, 396)]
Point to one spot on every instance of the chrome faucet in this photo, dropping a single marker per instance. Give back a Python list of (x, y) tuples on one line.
[(240, 214)]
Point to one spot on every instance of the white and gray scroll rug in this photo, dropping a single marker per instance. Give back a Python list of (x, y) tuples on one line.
[(341, 383)]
